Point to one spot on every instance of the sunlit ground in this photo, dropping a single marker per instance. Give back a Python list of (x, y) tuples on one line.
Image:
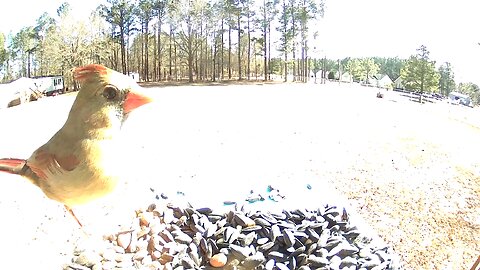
[(410, 170)]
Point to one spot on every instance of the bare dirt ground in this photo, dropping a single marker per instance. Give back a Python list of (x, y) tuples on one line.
[(410, 170)]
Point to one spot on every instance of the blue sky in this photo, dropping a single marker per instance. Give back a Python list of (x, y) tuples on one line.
[(357, 28)]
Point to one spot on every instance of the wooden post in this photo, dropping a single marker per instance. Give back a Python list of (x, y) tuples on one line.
[(474, 266)]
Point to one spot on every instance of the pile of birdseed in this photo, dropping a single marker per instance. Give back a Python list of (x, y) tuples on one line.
[(184, 237)]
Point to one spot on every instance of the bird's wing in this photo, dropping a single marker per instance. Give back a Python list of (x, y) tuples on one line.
[(43, 162)]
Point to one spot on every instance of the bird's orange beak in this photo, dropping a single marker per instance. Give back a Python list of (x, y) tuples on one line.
[(135, 100)]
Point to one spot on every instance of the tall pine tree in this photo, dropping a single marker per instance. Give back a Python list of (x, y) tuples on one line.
[(446, 82), (419, 73)]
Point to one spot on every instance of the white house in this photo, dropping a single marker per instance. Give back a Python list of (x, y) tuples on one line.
[(346, 77), (397, 84), (381, 81), (384, 81)]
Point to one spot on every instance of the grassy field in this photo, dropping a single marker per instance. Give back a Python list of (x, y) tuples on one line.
[(410, 170)]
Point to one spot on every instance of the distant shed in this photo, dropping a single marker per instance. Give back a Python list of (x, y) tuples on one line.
[(49, 84)]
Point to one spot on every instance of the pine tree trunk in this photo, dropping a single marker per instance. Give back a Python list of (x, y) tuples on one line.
[(200, 67), (306, 63), (269, 50), (285, 66), (294, 71), (159, 49), (222, 55), (214, 53), (170, 54), (122, 49), (141, 68), (239, 48), (155, 56), (205, 64), (229, 52), (29, 56), (265, 67), (146, 53), (175, 70), (249, 48)]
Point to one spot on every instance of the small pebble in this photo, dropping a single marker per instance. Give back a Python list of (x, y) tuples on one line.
[(88, 258)]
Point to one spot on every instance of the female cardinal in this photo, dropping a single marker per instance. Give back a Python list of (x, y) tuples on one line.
[(77, 164)]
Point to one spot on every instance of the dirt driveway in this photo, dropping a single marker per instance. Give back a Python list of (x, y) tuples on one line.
[(410, 170)]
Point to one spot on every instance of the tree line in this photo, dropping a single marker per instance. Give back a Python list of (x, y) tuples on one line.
[(418, 73), (198, 40), (202, 40)]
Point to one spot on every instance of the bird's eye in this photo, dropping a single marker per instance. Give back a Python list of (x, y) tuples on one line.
[(110, 92)]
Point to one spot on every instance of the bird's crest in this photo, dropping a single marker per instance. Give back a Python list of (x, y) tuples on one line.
[(89, 71)]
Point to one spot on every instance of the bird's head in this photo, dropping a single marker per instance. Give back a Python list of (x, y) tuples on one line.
[(105, 98)]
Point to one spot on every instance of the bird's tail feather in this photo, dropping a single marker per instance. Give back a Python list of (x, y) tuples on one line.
[(12, 165)]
